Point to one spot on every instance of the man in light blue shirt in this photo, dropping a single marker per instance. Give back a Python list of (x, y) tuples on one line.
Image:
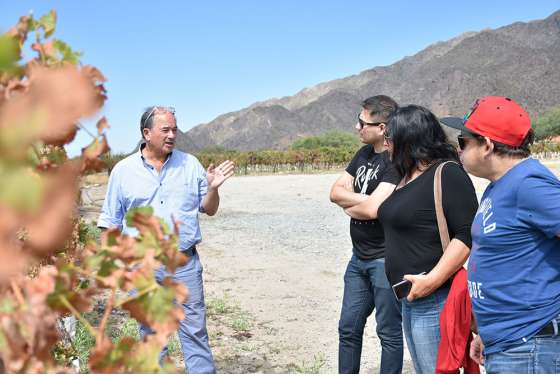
[(177, 187)]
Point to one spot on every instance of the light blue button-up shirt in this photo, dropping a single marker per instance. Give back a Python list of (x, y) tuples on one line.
[(175, 193)]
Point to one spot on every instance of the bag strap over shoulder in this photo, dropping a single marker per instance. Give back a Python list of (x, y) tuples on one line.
[(440, 215)]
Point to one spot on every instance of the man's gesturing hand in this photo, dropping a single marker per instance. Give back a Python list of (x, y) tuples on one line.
[(217, 175)]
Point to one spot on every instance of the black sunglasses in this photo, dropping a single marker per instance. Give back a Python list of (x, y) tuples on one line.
[(461, 139), (363, 123)]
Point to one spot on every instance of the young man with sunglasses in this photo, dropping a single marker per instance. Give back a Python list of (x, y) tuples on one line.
[(369, 176), (176, 185), (514, 266)]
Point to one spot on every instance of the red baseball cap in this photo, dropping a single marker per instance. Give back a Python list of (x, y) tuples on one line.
[(499, 118)]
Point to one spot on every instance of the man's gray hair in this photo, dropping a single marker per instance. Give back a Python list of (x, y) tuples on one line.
[(147, 119)]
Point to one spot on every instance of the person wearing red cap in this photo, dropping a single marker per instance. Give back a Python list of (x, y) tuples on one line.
[(514, 267)]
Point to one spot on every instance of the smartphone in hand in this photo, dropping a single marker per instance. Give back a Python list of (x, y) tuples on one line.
[(402, 288)]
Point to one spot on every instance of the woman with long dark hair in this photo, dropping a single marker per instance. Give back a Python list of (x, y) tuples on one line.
[(413, 246)]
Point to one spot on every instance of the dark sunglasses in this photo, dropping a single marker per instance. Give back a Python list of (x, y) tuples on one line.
[(461, 139), (363, 123)]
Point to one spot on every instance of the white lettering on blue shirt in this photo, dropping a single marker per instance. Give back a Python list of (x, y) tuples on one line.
[(486, 210), (475, 290)]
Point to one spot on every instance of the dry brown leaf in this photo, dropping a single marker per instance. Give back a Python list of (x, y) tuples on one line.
[(114, 280), (101, 125), (31, 332), (20, 30), (97, 79), (61, 96), (100, 96), (50, 228), (170, 249), (174, 257), (125, 249), (148, 224), (65, 95), (93, 73), (46, 48), (91, 153), (15, 87), (40, 317), (12, 259)]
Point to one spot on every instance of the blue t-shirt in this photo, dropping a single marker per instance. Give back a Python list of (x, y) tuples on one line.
[(514, 267)]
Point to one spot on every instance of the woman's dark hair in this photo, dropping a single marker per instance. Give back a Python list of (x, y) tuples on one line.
[(418, 139)]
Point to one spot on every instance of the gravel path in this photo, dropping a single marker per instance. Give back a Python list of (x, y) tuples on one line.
[(279, 247)]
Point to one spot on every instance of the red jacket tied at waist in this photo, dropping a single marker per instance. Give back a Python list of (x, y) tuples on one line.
[(455, 328)]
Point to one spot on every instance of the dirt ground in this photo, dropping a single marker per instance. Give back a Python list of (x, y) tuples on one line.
[(275, 253)]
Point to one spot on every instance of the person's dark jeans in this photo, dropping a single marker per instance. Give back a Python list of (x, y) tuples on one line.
[(366, 288)]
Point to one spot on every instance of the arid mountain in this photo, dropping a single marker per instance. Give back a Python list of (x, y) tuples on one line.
[(521, 60)]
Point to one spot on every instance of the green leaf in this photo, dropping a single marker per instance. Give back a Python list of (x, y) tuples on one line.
[(68, 55), (96, 261), (48, 23), (3, 342), (21, 189), (7, 306), (9, 54), (160, 304), (107, 267), (154, 305), (165, 227), (33, 157), (32, 24), (144, 359), (148, 241), (19, 134)]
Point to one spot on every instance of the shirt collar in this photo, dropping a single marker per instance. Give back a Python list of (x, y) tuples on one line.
[(142, 146)]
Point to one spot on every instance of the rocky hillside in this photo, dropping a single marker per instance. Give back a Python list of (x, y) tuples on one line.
[(521, 60)]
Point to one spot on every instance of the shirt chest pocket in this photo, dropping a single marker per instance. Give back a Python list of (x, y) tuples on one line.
[(183, 196)]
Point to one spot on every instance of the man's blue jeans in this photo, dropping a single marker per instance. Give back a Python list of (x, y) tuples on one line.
[(192, 330), (366, 288), (421, 329), (538, 355)]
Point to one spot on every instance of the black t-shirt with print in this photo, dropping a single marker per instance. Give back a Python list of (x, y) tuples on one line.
[(369, 169)]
